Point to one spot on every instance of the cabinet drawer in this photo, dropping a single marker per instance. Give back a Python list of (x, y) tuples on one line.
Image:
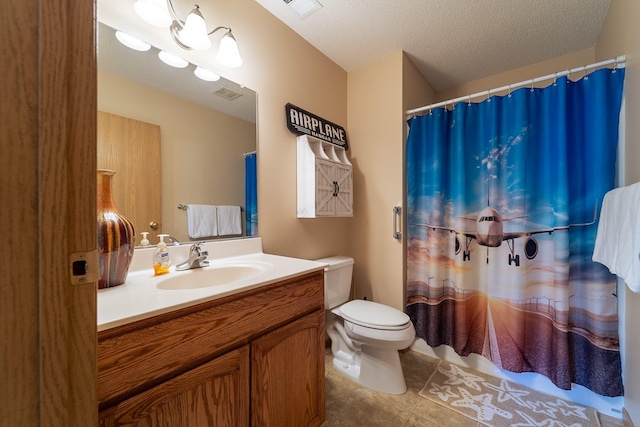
[(140, 355)]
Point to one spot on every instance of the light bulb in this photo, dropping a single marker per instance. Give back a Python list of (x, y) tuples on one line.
[(206, 75), (194, 33), (228, 53), (132, 42), (154, 12), (172, 60)]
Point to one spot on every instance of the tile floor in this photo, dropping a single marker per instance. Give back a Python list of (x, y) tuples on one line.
[(348, 404)]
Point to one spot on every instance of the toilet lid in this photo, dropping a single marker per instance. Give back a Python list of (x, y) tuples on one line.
[(373, 315)]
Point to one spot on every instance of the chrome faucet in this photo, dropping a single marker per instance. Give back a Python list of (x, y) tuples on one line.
[(197, 258), (173, 240)]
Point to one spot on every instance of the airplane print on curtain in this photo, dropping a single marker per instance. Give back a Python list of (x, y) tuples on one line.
[(503, 200)]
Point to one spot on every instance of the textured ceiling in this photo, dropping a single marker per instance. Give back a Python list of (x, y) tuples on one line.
[(450, 41)]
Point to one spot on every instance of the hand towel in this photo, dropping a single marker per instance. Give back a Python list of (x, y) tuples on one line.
[(617, 244), (229, 220), (202, 221)]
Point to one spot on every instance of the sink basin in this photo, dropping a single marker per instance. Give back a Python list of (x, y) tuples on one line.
[(215, 275)]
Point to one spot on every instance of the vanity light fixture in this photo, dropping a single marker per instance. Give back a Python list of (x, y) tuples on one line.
[(206, 75), (172, 60), (153, 12), (132, 42), (192, 33)]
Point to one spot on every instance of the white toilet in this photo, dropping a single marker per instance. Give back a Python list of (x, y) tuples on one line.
[(365, 336)]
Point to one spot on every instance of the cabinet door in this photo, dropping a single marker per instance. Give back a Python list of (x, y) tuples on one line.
[(287, 374), (325, 188), (213, 394), (344, 190)]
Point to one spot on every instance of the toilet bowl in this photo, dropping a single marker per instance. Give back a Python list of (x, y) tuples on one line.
[(365, 335)]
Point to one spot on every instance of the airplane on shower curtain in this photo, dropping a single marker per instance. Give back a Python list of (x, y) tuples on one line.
[(490, 232)]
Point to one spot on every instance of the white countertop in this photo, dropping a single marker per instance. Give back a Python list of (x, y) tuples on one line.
[(139, 297)]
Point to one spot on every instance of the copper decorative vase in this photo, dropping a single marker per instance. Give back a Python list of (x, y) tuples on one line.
[(116, 236)]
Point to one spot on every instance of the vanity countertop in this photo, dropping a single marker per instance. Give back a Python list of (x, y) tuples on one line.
[(142, 296)]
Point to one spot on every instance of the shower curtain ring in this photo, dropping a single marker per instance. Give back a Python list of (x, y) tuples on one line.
[(509, 95), (555, 79), (586, 76), (531, 90), (469, 100)]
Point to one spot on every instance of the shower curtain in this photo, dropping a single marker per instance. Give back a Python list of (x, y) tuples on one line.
[(251, 195), (502, 204)]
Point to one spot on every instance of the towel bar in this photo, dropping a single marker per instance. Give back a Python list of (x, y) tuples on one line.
[(184, 207)]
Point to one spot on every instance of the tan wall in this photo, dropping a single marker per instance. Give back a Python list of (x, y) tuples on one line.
[(202, 149), (416, 91), (282, 68), (620, 35), (376, 126), (565, 62)]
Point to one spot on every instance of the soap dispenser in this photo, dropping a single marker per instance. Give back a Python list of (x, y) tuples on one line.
[(145, 240), (161, 258)]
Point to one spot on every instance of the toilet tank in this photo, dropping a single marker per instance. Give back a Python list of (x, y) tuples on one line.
[(337, 280)]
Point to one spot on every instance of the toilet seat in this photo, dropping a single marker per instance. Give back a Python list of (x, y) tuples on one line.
[(373, 315)]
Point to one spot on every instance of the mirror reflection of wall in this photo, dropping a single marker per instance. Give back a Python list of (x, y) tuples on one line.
[(202, 149)]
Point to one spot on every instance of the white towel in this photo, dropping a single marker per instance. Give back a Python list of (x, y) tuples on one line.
[(617, 243), (202, 221), (229, 220)]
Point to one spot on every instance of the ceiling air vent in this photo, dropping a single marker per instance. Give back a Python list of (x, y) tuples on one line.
[(304, 8), (227, 93)]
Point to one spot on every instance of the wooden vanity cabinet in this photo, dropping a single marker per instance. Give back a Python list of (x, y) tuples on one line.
[(287, 374), (213, 394), (254, 358)]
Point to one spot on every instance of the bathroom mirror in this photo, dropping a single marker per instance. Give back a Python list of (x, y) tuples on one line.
[(207, 128)]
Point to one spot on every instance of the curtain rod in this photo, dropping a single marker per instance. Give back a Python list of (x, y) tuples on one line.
[(619, 60)]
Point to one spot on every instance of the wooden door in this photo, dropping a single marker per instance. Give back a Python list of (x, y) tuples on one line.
[(287, 374), (48, 196), (132, 149), (213, 394)]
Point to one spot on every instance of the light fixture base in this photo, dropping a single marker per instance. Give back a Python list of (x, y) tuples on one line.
[(173, 29)]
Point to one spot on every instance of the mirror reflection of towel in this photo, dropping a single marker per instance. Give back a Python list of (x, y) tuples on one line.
[(202, 221), (229, 220)]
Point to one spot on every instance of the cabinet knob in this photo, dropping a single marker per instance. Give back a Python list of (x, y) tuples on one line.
[(153, 225)]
